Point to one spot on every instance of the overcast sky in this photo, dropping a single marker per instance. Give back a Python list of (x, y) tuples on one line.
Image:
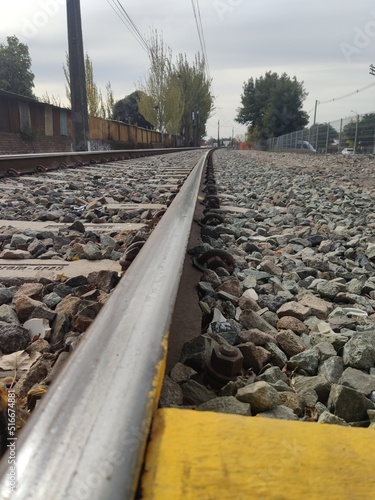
[(327, 44)]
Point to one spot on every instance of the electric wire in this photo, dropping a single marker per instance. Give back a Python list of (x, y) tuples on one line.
[(202, 42), (347, 95), (128, 22)]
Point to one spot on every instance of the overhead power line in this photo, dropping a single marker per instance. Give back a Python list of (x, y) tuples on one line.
[(347, 95), (125, 18), (202, 42)]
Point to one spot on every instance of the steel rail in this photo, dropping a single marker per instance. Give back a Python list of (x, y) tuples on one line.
[(86, 439), (21, 164)]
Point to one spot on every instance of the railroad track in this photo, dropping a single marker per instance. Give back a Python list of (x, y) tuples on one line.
[(88, 434), (120, 327)]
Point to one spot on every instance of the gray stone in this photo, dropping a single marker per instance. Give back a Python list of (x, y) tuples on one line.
[(328, 418), (231, 388), (195, 393), (272, 375), (260, 395), (361, 382), (227, 404), (206, 289), (279, 412), (307, 361), (278, 357), (59, 328), (318, 383), (250, 319), (332, 369), (281, 386), (171, 394), (197, 351), (6, 295), (228, 330), (8, 314), (359, 351), (349, 404), (182, 373), (327, 289), (13, 338), (325, 350)]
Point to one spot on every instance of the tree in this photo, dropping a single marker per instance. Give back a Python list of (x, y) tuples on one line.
[(365, 133), (176, 97), (97, 106), (127, 110), (196, 97), (153, 101), (272, 105), (15, 68)]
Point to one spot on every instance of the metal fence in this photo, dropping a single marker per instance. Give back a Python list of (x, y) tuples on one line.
[(356, 132)]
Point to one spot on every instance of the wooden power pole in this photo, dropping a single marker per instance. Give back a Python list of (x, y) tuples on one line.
[(80, 118)]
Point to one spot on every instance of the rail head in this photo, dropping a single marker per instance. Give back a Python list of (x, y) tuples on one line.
[(87, 437)]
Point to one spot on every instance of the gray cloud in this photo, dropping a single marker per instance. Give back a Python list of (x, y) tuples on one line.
[(327, 44)]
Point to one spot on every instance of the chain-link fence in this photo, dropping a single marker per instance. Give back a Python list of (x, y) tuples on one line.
[(356, 133)]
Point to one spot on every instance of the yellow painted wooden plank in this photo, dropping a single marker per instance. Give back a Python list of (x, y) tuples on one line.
[(197, 455)]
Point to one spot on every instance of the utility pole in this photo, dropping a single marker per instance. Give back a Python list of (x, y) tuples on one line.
[(80, 119), (218, 133), (372, 70), (316, 106)]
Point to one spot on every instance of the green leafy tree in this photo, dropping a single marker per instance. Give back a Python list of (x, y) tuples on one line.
[(365, 134), (176, 97), (272, 105), (196, 97), (97, 105), (127, 110), (153, 103), (15, 68)]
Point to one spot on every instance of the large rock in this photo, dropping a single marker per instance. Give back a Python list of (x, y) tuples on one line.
[(195, 393), (227, 404), (332, 369), (250, 319), (359, 351), (319, 307), (293, 401), (171, 393), (361, 382), (319, 384), (290, 343), (279, 412), (349, 404), (292, 323), (294, 309), (254, 357), (260, 395), (307, 361), (197, 351), (13, 338), (256, 336)]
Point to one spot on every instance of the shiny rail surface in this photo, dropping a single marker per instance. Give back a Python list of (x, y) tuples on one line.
[(87, 437), (14, 165)]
